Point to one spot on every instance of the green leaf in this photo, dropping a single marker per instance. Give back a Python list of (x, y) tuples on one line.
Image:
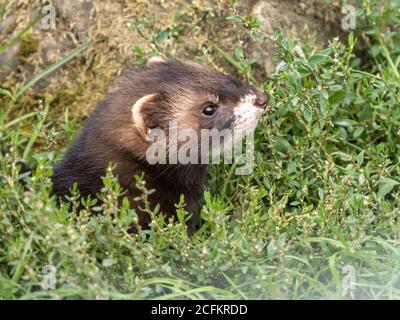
[(36, 132), (7, 93), (235, 18), (345, 123), (230, 59), (361, 179), (352, 40), (317, 59), (307, 114), (360, 158), (108, 262), (386, 185), (358, 132), (283, 145), (303, 70), (343, 156), (271, 248), (337, 96), (375, 50)]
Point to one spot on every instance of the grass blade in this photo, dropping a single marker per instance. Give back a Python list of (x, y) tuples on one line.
[(51, 69), (36, 132), (13, 40), (7, 93), (17, 120)]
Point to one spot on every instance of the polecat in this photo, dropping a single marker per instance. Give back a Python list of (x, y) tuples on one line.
[(149, 98)]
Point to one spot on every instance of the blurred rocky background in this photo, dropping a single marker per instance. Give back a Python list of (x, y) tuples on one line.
[(185, 29)]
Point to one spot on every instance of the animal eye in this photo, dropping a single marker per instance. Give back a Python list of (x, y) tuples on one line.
[(209, 109)]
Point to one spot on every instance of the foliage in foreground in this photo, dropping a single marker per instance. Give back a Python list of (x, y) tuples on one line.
[(323, 199)]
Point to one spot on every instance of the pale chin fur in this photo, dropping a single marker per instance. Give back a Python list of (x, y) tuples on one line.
[(246, 114)]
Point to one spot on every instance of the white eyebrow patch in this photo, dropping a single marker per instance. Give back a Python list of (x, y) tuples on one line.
[(246, 113), (155, 60)]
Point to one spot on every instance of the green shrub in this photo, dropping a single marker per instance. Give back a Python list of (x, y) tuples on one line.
[(323, 197)]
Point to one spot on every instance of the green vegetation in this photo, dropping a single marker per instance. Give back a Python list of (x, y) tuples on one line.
[(324, 196)]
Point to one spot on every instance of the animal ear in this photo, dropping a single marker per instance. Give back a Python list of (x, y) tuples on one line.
[(144, 113), (155, 60)]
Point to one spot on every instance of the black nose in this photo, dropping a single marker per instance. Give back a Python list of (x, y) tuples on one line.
[(261, 99)]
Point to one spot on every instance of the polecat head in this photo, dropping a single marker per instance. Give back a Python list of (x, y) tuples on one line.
[(193, 96), (196, 97)]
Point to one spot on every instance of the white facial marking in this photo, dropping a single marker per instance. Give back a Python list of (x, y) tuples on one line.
[(136, 110), (154, 60), (246, 113)]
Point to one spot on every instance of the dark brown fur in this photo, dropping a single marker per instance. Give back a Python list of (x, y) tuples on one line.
[(110, 135)]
